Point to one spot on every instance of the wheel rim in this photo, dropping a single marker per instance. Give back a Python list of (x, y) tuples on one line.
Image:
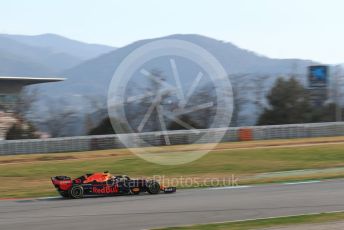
[(154, 187), (76, 192)]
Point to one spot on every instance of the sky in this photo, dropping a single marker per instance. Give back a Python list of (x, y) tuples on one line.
[(307, 29)]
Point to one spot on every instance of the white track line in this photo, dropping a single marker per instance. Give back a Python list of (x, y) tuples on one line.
[(303, 182), (230, 187)]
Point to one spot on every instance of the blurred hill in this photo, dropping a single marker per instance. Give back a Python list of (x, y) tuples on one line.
[(43, 55), (88, 80), (93, 76)]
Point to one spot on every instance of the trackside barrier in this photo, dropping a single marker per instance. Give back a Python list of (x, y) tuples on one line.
[(245, 134), (88, 143)]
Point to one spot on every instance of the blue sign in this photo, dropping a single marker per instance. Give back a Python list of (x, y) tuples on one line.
[(318, 76), (318, 84)]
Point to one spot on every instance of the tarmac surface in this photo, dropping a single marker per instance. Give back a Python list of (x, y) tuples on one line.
[(185, 207)]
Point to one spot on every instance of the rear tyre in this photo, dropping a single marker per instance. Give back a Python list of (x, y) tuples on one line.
[(153, 187), (64, 194), (76, 192)]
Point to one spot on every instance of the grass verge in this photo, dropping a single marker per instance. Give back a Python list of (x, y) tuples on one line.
[(267, 223), (29, 175)]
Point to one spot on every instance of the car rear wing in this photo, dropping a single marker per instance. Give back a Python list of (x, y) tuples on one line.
[(58, 178), (62, 182)]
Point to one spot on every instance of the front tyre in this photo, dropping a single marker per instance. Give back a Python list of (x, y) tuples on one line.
[(153, 187), (76, 192)]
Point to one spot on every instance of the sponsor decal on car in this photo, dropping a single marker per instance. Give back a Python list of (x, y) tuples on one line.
[(136, 189), (105, 190)]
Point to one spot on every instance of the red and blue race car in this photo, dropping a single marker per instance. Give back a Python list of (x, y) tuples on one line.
[(105, 184)]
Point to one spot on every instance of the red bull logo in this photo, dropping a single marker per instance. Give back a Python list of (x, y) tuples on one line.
[(105, 190)]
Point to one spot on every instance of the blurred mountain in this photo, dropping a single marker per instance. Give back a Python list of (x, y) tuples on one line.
[(43, 55), (91, 79), (93, 76), (58, 44)]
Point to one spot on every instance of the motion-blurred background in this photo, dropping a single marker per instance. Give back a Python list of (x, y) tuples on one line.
[(267, 90)]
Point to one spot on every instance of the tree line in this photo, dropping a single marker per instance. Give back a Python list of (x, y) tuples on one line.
[(287, 102)]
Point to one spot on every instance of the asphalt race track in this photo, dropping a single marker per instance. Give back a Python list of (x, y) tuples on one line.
[(183, 207)]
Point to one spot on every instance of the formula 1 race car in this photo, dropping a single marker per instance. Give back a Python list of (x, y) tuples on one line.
[(105, 184)]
